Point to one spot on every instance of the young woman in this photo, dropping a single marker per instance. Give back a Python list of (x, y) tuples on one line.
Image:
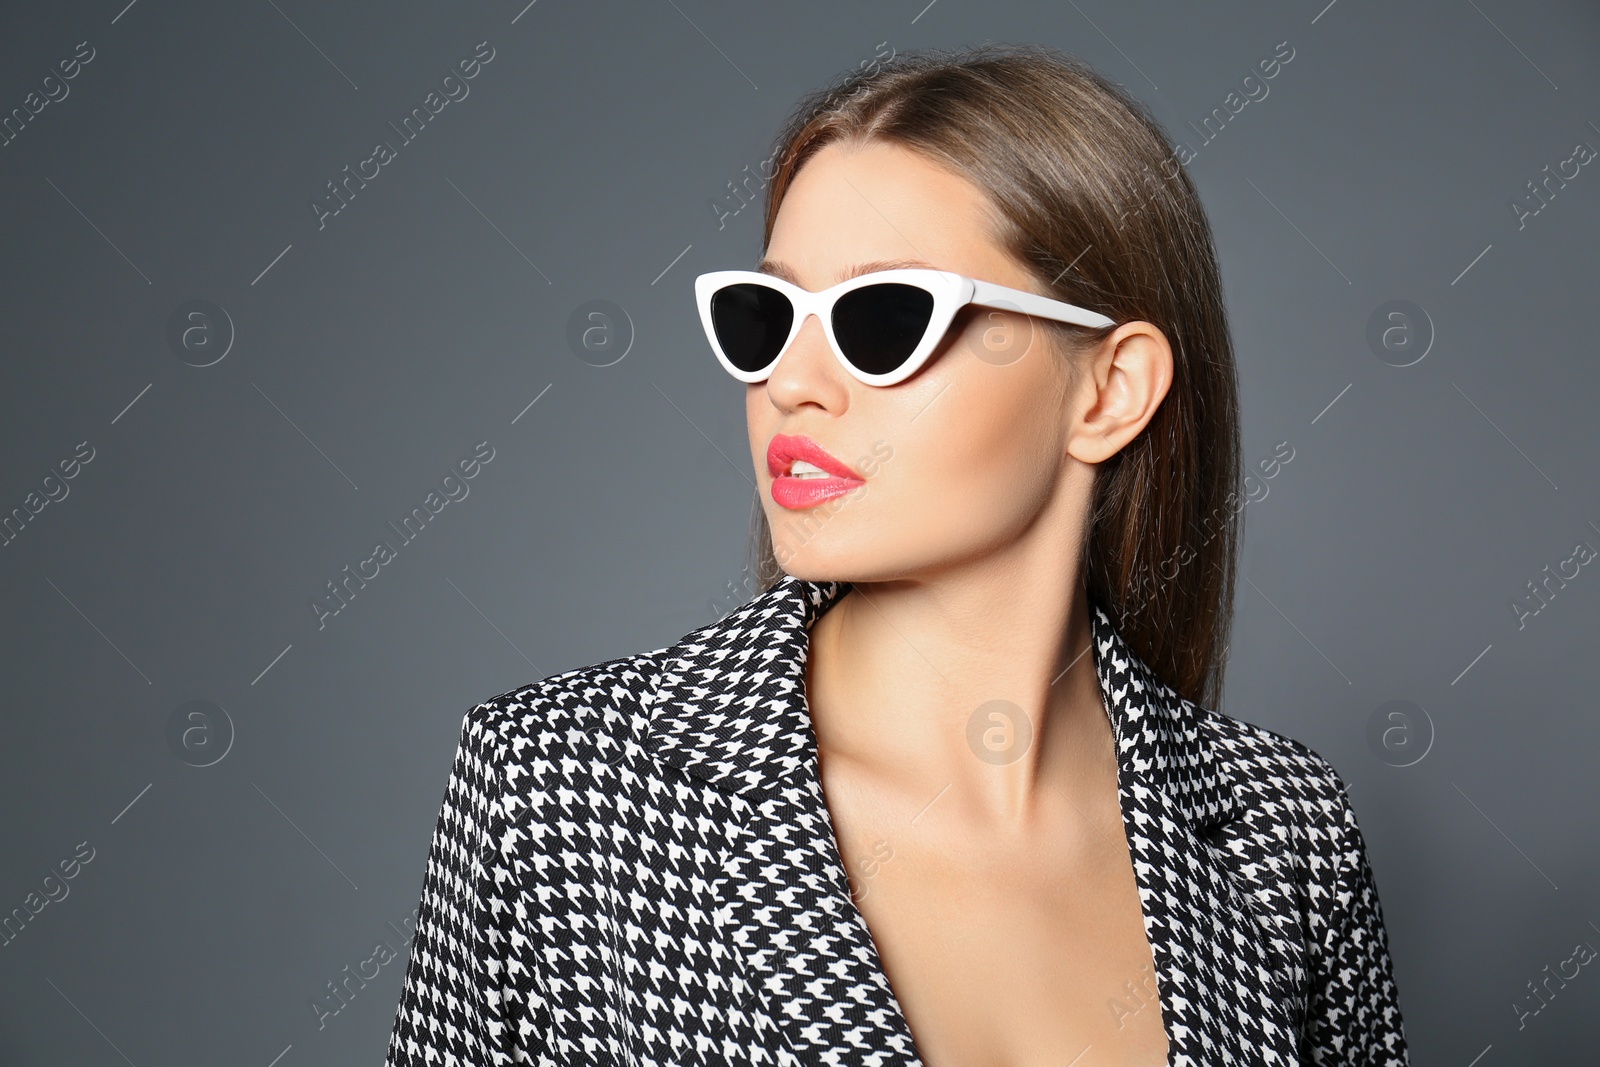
[(948, 790)]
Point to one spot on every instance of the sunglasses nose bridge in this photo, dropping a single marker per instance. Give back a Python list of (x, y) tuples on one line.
[(808, 309), (801, 316), (807, 306)]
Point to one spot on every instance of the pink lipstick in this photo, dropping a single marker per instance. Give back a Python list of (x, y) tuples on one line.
[(804, 474)]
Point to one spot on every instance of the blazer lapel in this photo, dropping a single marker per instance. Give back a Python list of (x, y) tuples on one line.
[(731, 709), (1218, 986)]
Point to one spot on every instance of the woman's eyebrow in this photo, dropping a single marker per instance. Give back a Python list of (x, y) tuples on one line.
[(784, 271)]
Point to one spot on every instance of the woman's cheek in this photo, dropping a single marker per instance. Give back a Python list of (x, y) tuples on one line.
[(986, 475)]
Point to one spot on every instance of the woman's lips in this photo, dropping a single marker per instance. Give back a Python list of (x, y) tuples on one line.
[(796, 493), (799, 493)]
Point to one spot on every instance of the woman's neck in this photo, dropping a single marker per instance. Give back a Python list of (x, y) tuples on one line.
[(982, 690)]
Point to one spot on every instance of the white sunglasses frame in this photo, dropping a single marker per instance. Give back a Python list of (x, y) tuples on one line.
[(951, 292)]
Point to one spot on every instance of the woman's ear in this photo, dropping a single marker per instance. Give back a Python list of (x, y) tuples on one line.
[(1120, 384)]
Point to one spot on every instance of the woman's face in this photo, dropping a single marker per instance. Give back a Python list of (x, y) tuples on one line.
[(958, 459)]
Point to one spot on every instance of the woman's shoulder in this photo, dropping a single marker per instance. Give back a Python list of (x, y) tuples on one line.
[(583, 714), (1285, 788), (1258, 749)]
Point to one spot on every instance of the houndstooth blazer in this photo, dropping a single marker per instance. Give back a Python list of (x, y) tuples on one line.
[(634, 864)]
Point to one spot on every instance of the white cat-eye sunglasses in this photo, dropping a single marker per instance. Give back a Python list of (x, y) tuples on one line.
[(882, 326)]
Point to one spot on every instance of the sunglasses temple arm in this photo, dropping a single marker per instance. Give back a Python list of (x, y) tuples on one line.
[(989, 294)]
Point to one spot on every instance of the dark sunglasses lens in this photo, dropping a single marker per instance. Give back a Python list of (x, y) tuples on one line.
[(752, 321), (879, 326)]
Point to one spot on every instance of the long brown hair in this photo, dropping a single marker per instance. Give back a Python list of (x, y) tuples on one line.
[(1095, 204)]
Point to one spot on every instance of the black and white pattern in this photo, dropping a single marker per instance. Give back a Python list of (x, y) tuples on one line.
[(634, 864)]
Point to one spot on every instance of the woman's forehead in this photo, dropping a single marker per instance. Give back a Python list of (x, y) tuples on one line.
[(852, 207)]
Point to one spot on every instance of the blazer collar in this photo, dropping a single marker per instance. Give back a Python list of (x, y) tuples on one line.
[(730, 707)]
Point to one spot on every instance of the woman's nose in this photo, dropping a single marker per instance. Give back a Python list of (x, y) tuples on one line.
[(808, 371)]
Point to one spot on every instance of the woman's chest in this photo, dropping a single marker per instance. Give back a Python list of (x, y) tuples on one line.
[(696, 924), (1008, 949)]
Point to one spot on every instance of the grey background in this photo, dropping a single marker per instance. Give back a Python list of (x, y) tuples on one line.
[(372, 354)]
